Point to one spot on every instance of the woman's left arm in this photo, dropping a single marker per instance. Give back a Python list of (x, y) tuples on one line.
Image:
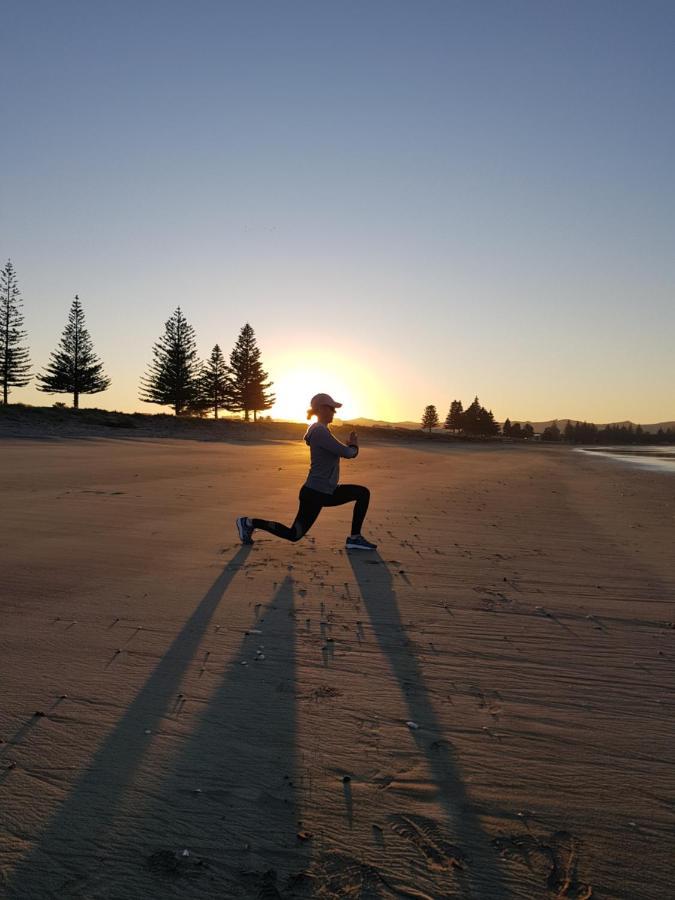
[(327, 441)]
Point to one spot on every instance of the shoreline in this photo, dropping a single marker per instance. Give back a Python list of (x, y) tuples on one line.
[(652, 459)]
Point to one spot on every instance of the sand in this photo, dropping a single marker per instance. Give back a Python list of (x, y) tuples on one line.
[(184, 717)]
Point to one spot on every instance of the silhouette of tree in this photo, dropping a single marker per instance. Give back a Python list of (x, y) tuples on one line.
[(430, 418), (551, 432), (454, 418), (487, 423), (506, 428), (249, 383), (215, 382), (14, 358), (173, 377), (74, 368), (528, 431), (471, 419), (590, 433)]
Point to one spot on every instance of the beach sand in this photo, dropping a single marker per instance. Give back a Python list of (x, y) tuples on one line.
[(184, 717)]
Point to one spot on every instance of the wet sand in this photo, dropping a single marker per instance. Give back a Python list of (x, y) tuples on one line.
[(184, 717)]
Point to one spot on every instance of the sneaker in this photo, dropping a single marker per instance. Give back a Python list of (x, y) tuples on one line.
[(359, 543), (245, 531)]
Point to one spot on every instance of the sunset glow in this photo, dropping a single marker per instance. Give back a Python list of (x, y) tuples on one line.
[(295, 388), (298, 379)]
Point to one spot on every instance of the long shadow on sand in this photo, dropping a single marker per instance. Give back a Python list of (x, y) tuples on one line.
[(71, 843), (483, 878), (232, 792)]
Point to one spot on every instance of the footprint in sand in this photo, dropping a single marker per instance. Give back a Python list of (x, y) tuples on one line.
[(428, 837), (554, 859), (336, 875)]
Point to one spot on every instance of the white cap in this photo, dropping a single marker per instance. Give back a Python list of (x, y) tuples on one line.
[(319, 400)]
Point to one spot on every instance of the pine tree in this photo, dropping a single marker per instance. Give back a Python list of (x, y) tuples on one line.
[(14, 359), (249, 384), (551, 432), (74, 368), (506, 428), (486, 423), (174, 375), (430, 418), (454, 418), (471, 419), (215, 382)]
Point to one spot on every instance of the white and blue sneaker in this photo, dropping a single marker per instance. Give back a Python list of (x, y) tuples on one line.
[(245, 531), (359, 543)]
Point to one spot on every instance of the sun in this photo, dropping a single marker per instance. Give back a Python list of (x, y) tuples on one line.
[(295, 387), (354, 379)]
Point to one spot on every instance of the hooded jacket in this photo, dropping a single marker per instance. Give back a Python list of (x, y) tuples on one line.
[(325, 450)]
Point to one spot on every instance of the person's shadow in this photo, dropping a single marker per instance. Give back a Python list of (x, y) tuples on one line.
[(482, 878), (86, 820), (232, 793)]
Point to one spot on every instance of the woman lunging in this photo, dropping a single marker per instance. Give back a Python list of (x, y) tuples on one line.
[(321, 488)]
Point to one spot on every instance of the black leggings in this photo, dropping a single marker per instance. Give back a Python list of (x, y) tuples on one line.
[(311, 504)]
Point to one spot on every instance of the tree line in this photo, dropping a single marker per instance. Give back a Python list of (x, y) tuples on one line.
[(176, 376), (590, 433), (475, 420)]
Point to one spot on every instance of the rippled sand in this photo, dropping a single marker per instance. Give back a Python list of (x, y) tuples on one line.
[(483, 709)]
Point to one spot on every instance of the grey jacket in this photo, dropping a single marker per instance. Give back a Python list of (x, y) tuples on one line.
[(326, 450)]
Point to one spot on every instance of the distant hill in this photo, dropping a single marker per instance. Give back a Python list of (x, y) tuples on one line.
[(538, 426), (379, 423), (652, 429)]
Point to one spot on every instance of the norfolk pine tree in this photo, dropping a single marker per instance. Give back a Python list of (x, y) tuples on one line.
[(215, 383), (430, 418), (14, 359), (173, 377), (249, 384), (74, 368)]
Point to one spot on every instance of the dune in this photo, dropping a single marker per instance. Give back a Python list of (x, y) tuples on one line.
[(482, 708)]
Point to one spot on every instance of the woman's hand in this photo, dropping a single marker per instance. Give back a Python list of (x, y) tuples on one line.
[(353, 438)]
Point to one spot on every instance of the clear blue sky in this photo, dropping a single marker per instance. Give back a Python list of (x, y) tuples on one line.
[(410, 202)]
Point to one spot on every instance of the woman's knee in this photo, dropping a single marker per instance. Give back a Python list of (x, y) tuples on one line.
[(365, 494), (298, 533)]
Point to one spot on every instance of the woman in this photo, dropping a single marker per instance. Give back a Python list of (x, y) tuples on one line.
[(321, 487)]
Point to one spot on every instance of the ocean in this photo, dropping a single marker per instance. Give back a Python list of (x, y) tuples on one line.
[(653, 458)]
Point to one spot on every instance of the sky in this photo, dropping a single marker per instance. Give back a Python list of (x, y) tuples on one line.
[(410, 202)]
